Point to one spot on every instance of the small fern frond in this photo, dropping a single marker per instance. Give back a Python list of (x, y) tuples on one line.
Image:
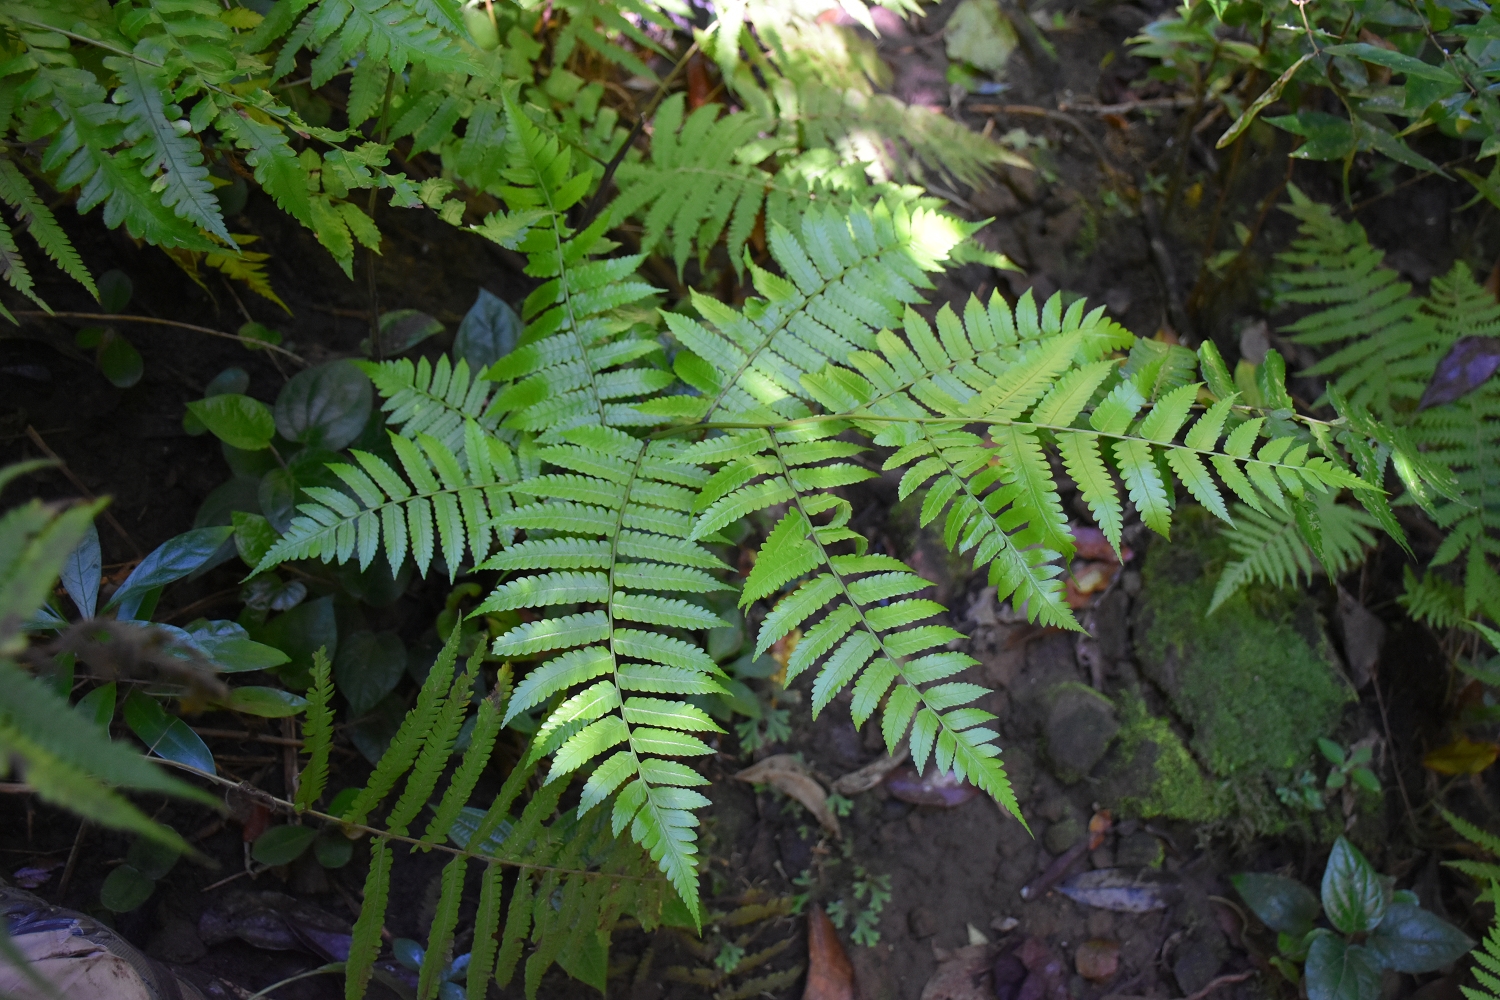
[(1433, 600), (17, 191), (615, 29), (13, 267), (445, 511), (317, 732), (1271, 548), (568, 369), (436, 400), (1486, 957)]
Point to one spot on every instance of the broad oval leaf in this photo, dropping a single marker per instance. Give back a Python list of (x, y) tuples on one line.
[(326, 406), (281, 845), (98, 706), (1282, 904), (1339, 971), (333, 850), (237, 420), (119, 361), (125, 889), (302, 631), (368, 667), (166, 735), (1410, 939), (1468, 364), (150, 858), (401, 330), (231, 649), (489, 331), (1354, 894)]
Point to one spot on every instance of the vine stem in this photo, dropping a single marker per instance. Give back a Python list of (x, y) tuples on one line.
[(282, 805), (250, 342), (321, 970)]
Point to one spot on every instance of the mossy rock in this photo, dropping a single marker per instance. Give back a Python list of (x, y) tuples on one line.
[(1256, 681), (1151, 773)]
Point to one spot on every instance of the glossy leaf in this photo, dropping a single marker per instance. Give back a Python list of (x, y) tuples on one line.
[(238, 421), (166, 735), (1412, 940), (82, 571), (124, 889), (266, 702), (400, 331), (368, 667), (98, 706), (119, 361), (1282, 904), (281, 845), (168, 563), (325, 407), (489, 331), (1354, 895), (1340, 971)]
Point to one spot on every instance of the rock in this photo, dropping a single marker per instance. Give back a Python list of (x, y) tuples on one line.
[(1021, 770), (1097, 959), (1112, 625), (962, 974), (1062, 835), (1079, 729), (1102, 857), (176, 941), (1054, 808), (1139, 850), (921, 922), (1101, 923), (1199, 959), (1008, 976)]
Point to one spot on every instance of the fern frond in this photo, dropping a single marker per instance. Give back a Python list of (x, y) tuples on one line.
[(390, 33), (1271, 548), (13, 267), (1486, 957), (567, 370), (317, 732), (446, 510), (17, 191), (603, 26), (437, 400), (1432, 600), (249, 267)]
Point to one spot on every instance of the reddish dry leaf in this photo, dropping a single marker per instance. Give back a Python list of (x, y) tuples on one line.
[(1466, 366), (1046, 974), (1097, 959), (1092, 545), (829, 974), (699, 84), (1462, 756)]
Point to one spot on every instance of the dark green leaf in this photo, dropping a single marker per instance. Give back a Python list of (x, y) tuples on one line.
[(231, 649), (80, 574), (401, 330), (125, 889), (1267, 98), (325, 407), (1281, 903), (1329, 137), (301, 631), (1354, 895), (98, 706), (266, 702), (281, 845), (237, 420), (1398, 61), (1339, 971), (1410, 939), (119, 361), (333, 849), (259, 334), (150, 858), (228, 381), (368, 667), (166, 735), (1331, 750), (115, 289), (489, 331), (168, 563), (253, 536)]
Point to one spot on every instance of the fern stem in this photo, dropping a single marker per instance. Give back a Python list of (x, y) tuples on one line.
[(154, 321), (290, 808)]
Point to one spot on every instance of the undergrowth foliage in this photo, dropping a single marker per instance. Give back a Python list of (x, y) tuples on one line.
[(618, 470)]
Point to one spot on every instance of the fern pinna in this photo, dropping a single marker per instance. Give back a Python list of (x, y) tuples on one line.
[(1384, 344), (624, 471)]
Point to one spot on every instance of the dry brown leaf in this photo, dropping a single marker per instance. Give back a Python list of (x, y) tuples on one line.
[(1097, 959), (962, 974), (871, 774), (785, 773), (1462, 756), (829, 974)]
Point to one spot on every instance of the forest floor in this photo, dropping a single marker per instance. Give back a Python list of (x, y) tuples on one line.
[(954, 874)]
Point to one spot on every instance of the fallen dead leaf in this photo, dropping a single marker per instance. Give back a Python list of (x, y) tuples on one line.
[(932, 788), (962, 974), (1462, 756), (1046, 974), (1097, 959), (871, 774), (1118, 889), (1363, 634), (788, 775), (829, 974)]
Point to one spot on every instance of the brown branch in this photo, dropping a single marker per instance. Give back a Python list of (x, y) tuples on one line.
[(154, 321)]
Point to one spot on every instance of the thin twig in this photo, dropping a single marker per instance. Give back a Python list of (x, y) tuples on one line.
[(67, 875), (1149, 104), (153, 321), (88, 494), (1238, 977), (269, 800)]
